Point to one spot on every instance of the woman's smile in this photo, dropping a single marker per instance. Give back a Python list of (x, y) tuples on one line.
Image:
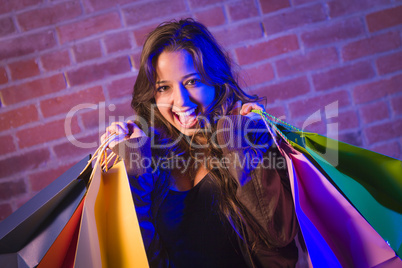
[(186, 119)]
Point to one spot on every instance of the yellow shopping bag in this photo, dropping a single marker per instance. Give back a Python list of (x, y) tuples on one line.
[(110, 234)]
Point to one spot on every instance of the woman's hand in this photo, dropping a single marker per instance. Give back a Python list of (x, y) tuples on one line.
[(130, 129), (246, 108)]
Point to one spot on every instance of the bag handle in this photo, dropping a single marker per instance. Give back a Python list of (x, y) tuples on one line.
[(101, 154), (272, 122)]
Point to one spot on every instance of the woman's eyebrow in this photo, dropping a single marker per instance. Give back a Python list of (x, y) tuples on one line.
[(188, 75), (184, 77)]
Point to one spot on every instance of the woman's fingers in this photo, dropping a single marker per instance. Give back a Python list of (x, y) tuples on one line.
[(124, 130), (118, 128), (248, 107), (134, 130)]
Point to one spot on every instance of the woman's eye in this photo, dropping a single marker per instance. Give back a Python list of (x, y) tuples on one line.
[(192, 82), (162, 88)]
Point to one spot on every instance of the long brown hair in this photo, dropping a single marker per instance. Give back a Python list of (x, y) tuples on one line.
[(216, 70)]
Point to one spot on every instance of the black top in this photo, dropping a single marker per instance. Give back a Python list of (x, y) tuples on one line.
[(193, 232)]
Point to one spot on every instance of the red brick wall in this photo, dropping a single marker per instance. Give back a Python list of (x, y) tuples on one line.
[(301, 54)]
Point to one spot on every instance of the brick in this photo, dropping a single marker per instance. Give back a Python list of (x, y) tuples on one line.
[(343, 75), (11, 189), (344, 7), (95, 5), (117, 42), (33, 89), (49, 15), (27, 161), (121, 112), (396, 105), (203, 3), (269, 6), (353, 138), (294, 18), (284, 90), (372, 45), (10, 5), (45, 132), (141, 33), (67, 150), (338, 31), (310, 105), (242, 9), (121, 88), (268, 49), (3, 76), (87, 51), (24, 69), (26, 44), (384, 131), (7, 143), (18, 117), (232, 35), (5, 211), (277, 111), (63, 104), (384, 19), (259, 74), (374, 112), (346, 120), (88, 119), (99, 71), (88, 27), (41, 179), (211, 17), (152, 9), (55, 60), (389, 63), (312, 126), (376, 90), (312, 60), (391, 149), (6, 26)]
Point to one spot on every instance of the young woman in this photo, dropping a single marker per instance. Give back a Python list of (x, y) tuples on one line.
[(209, 187)]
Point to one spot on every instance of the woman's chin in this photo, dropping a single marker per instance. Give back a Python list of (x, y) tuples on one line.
[(186, 131)]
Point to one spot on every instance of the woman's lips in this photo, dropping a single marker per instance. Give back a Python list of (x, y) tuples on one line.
[(187, 119)]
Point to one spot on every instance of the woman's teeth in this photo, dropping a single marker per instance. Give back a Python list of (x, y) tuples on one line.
[(185, 113), (187, 119)]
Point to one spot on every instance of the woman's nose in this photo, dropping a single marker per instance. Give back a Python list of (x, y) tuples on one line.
[(181, 96)]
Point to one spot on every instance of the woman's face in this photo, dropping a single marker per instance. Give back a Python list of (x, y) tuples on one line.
[(180, 95)]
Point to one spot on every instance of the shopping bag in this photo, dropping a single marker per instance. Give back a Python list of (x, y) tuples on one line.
[(109, 234), (369, 181), (62, 252), (27, 234), (336, 235)]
